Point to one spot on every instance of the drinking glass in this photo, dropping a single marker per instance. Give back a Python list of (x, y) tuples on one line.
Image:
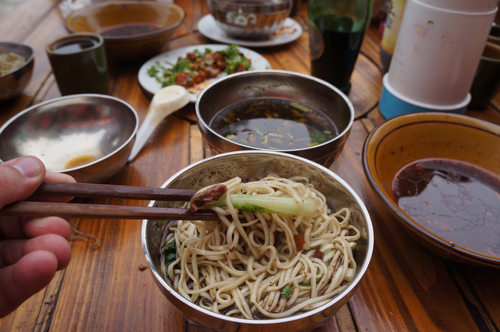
[(336, 31)]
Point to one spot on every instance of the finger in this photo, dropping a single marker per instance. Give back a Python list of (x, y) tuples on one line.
[(58, 177), (22, 228), (25, 278), (19, 178), (50, 225), (12, 251), (54, 177)]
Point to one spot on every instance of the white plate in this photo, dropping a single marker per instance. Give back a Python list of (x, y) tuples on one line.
[(290, 31), (151, 86)]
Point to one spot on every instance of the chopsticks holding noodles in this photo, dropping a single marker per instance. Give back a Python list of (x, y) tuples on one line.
[(90, 190)]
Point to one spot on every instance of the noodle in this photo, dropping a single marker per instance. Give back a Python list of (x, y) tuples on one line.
[(242, 267), (10, 62)]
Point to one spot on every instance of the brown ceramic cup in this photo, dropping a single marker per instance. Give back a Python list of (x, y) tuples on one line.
[(79, 64)]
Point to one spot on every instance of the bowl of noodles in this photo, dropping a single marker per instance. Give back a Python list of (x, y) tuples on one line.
[(262, 267), (16, 69)]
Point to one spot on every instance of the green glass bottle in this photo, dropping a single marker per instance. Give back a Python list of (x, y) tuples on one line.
[(336, 31)]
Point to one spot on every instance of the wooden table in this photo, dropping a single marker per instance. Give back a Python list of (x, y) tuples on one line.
[(406, 288)]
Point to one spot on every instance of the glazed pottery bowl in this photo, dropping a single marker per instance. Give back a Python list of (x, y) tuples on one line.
[(405, 139), (132, 30), (87, 136), (258, 164), (250, 19), (284, 85), (13, 83)]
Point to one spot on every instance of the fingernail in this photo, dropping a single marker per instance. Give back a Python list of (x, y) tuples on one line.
[(28, 167)]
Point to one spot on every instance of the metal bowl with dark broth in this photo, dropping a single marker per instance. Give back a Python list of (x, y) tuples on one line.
[(256, 165), (275, 110)]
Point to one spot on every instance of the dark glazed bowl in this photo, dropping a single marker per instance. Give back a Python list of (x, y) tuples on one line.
[(300, 88), (244, 19), (87, 136), (258, 164), (12, 84), (105, 15), (407, 138)]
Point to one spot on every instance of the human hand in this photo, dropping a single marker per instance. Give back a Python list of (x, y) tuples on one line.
[(31, 249)]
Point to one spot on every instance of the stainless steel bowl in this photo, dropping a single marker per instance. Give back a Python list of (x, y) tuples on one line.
[(256, 19), (257, 164), (304, 89), (87, 136), (12, 84)]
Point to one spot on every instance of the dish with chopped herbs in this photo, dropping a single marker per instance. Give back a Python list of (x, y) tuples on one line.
[(195, 67)]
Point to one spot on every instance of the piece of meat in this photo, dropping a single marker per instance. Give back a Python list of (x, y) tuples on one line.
[(212, 194), (299, 242), (182, 80), (211, 71)]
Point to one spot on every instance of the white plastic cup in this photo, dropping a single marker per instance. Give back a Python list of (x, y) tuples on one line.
[(438, 49)]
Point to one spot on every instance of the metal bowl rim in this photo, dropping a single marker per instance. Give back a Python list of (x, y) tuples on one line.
[(403, 218), (337, 298), (15, 117), (26, 63), (277, 7), (243, 3), (199, 118), (118, 3)]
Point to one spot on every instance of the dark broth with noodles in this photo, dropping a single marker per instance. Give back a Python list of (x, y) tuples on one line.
[(273, 123)]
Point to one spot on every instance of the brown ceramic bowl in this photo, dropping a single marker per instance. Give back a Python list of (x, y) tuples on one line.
[(132, 30), (12, 84), (407, 138)]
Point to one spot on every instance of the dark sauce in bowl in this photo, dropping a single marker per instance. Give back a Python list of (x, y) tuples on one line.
[(128, 30), (273, 123), (457, 201)]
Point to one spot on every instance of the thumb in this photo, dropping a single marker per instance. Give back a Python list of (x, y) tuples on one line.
[(19, 178)]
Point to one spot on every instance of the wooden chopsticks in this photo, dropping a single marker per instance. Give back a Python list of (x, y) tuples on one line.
[(90, 190)]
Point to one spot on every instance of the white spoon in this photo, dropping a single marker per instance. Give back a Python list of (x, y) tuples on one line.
[(164, 102)]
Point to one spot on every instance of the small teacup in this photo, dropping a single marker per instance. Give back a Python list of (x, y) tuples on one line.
[(79, 64)]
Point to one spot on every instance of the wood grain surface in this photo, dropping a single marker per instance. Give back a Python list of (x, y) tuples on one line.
[(106, 288)]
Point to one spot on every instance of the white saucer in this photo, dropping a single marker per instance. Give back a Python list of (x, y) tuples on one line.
[(290, 31), (150, 86)]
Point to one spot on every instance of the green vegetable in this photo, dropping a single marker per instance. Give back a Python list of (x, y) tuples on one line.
[(170, 247), (308, 282), (282, 204), (285, 291), (326, 252), (166, 76), (153, 71), (249, 300), (170, 258)]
